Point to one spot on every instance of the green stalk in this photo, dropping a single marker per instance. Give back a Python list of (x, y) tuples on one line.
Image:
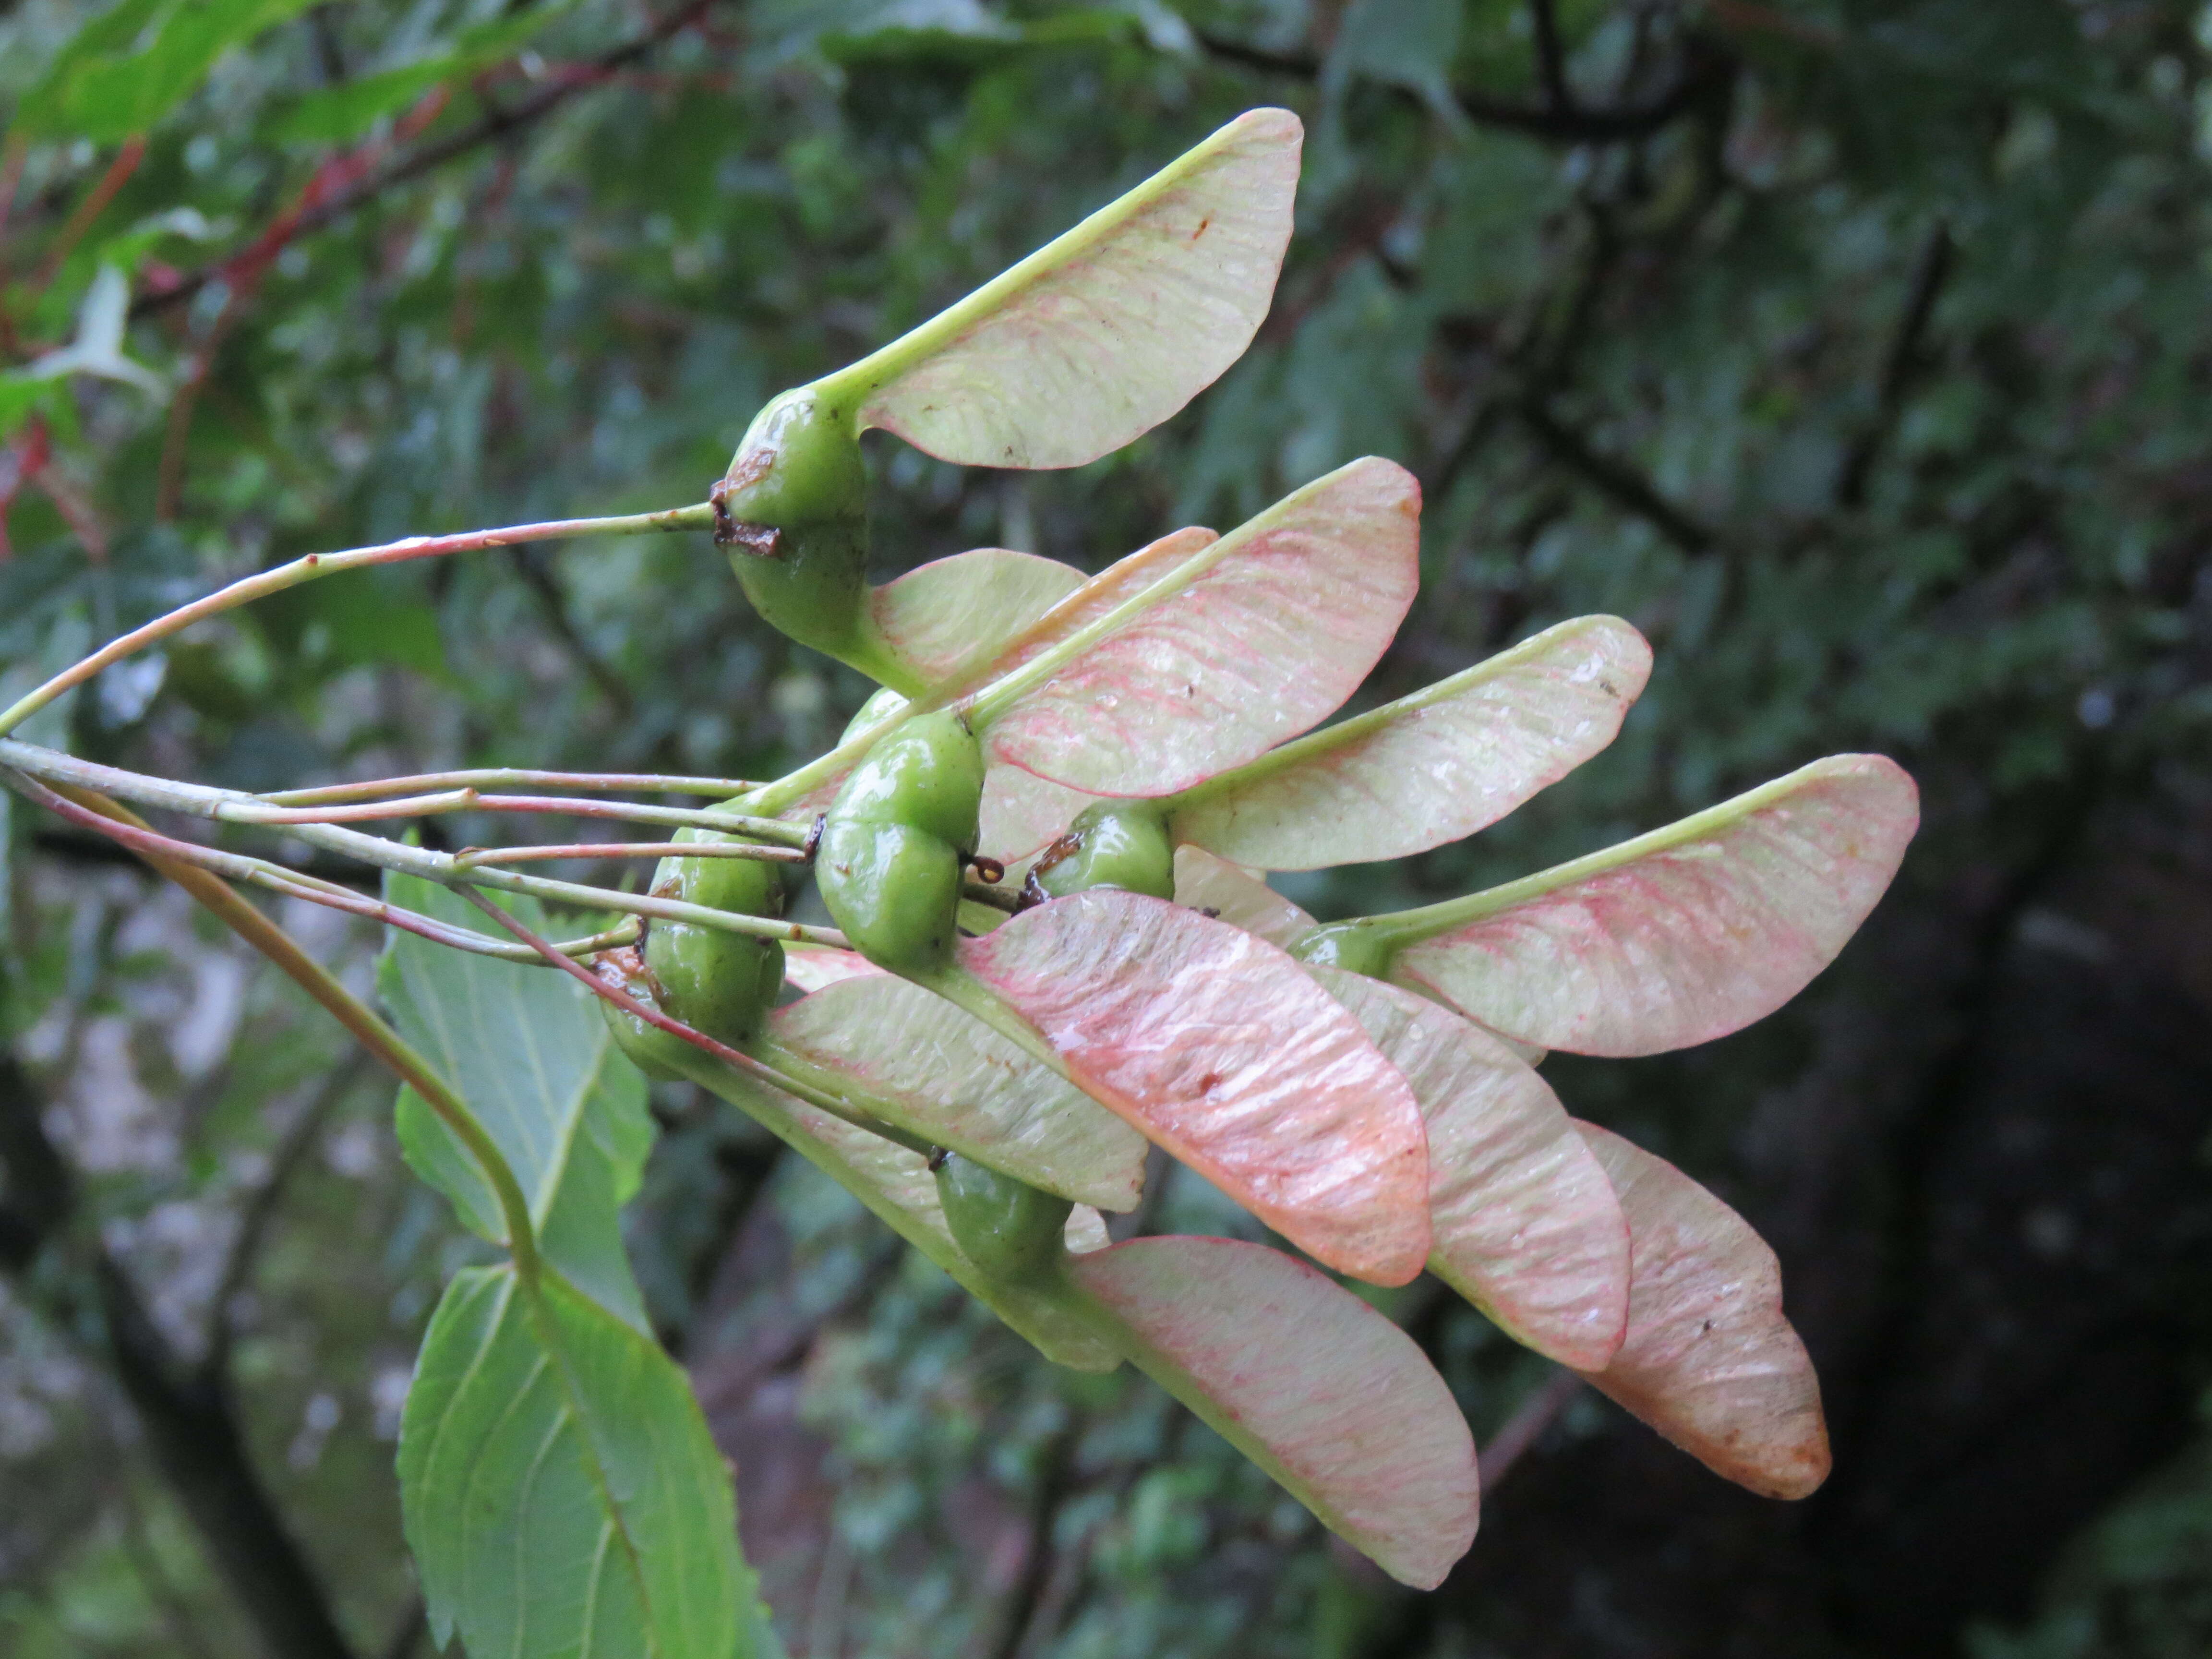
[(1397, 930), (371, 1032), (315, 565), (441, 867)]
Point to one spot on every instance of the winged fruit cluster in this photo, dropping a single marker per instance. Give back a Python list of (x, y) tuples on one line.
[(987, 1066)]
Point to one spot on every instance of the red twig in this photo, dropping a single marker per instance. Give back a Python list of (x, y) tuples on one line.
[(20, 463), (1526, 1426), (80, 219), (491, 127), (243, 272), (424, 782)]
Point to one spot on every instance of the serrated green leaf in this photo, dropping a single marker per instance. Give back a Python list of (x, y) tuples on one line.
[(528, 1052), (563, 1494)]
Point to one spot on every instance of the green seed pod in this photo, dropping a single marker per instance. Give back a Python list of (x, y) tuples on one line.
[(893, 889), (895, 839), (884, 701), (655, 1051), (792, 510), (1005, 1227), (721, 983), (1352, 946), (1120, 843), (928, 774)]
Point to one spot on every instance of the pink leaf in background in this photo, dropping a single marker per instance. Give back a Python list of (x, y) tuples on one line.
[(1220, 1048), (1709, 1361), (1308, 1380)]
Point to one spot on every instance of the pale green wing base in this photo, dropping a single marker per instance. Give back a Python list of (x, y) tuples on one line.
[(1428, 768)]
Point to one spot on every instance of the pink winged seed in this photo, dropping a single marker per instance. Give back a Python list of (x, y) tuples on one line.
[(812, 967), (939, 617), (1709, 1361), (1206, 882), (1323, 1392), (1686, 943), (1526, 1223), (1022, 812), (1218, 1047), (913, 1057), (1437, 767), (1262, 646)]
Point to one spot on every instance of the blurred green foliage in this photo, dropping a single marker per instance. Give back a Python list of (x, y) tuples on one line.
[(1857, 352)]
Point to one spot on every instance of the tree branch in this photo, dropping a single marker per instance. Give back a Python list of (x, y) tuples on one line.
[(190, 1426), (1625, 487), (494, 125), (1930, 272), (261, 1208), (1702, 69), (1551, 60)]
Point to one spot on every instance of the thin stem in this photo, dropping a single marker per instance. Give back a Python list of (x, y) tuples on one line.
[(736, 1058), (260, 585), (240, 809), (998, 898), (290, 884), (510, 777), (94, 205), (476, 857), (201, 802), (371, 1032)]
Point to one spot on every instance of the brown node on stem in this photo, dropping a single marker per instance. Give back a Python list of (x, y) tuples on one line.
[(1033, 894), (762, 541)]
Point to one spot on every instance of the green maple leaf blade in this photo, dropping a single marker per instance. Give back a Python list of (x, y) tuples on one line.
[(561, 1493), (527, 1050)]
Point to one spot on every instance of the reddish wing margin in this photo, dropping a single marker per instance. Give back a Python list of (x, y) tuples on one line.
[(1709, 1361)]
